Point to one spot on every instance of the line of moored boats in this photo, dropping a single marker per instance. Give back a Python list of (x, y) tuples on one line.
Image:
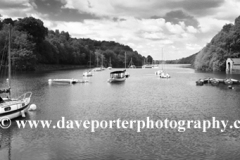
[(217, 81)]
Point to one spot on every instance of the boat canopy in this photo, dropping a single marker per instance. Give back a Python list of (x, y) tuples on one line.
[(118, 72)]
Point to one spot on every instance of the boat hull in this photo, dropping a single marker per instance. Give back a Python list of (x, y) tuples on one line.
[(13, 108), (15, 113)]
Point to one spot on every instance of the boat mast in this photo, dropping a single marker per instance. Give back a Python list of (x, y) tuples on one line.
[(162, 58), (97, 61), (102, 61), (90, 60), (125, 60), (9, 60)]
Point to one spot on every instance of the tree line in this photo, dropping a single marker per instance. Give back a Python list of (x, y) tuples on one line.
[(226, 44), (32, 44)]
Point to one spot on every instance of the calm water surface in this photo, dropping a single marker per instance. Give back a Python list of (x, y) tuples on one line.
[(142, 95)]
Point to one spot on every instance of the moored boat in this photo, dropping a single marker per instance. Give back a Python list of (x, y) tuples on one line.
[(88, 74), (164, 75), (214, 81), (10, 107), (159, 72), (200, 82), (117, 76), (230, 81), (70, 81)]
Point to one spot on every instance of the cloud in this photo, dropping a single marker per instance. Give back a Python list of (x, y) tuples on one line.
[(10, 4), (179, 16), (57, 10), (181, 27), (228, 11), (196, 7)]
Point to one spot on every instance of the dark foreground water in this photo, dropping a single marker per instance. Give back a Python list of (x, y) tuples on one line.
[(142, 95)]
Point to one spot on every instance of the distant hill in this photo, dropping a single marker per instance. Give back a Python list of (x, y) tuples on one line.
[(185, 60), (226, 44)]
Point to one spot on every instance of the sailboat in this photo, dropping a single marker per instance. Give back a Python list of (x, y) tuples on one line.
[(99, 68), (13, 107), (161, 73), (126, 73), (110, 65), (88, 73), (131, 65), (102, 67)]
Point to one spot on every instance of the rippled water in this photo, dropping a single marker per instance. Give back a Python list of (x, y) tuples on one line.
[(142, 95)]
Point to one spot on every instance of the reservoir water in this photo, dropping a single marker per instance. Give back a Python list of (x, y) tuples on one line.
[(140, 96)]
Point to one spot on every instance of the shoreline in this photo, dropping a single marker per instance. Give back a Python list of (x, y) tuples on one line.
[(53, 67)]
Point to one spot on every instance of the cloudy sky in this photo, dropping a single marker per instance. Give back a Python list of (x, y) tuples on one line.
[(179, 27)]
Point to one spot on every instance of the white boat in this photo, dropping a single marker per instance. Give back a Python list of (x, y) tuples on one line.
[(161, 73), (70, 81), (13, 107), (88, 74), (117, 76), (164, 75), (98, 69), (131, 65), (147, 66), (110, 64), (101, 68)]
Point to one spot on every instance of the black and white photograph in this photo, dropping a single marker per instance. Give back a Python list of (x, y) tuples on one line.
[(119, 79)]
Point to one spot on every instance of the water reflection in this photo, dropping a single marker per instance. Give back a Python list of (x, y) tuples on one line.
[(142, 95)]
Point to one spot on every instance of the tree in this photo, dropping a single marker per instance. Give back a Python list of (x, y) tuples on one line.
[(149, 59), (8, 21), (34, 28)]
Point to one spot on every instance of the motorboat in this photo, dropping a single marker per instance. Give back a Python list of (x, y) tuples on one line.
[(230, 81), (117, 76), (200, 82)]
